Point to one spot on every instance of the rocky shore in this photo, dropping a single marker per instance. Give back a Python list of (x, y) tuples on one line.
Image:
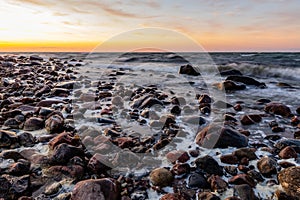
[(65, 135)]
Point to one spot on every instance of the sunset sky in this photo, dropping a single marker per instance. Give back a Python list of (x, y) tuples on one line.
[(217, 25)]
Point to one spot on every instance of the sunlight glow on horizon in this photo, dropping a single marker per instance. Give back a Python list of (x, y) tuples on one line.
[(82, 26)]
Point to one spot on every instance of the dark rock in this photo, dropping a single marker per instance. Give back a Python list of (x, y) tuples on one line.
[(36, 57), (245, 192), (5, 187), (204, 98), (229, 159), (60, 92), (181, 168), (289, 179), (59, 172), (207, 196), (242, 179), (34, 123), (100, 189), (12, 123), (54, 124), (8, 139), (26, 139), (231, 72), (298, 110), (277, 129), (11, 154), (263, 101), (285, 164), (245, 152), (161, 177), (246, 80), (267, 166), (283, 196), (209, 165), (19, 168), (49, 103), (288, 152), (232, 170), (215, 136), (278, 109), (175, 110), (230, 85), (98, 164), (44, 90), (217, 184), (196, 180), (237, 107), (288, 142), (64, 152), (189, 70), (172, 196), (255, 175), (250, 119)]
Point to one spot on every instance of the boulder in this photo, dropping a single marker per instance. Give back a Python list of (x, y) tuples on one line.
[(209, 165), (289, 179), (246, 80), (267, 166), (34, 123), (278, 109), (189, 70)]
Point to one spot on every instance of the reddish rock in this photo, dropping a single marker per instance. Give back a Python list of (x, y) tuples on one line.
[(161, 177), (289, 179), (173, 196), (65, 137), (250, 119), (100, 189), (237, 107), (99, 164), (288, 152), (242, 179), (54, 124), (181, 168), (181, 156), (58, 172), (278, 109), (229, 159), (217, 184)]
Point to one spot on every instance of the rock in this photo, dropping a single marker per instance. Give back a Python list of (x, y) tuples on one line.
[(189, 70), (43, 90), (232, 170), (215, 136), (207, 196), (33, 123), (277, 129), (149, 102), (278, 109), (53, 188), (65, 137), (181, 156), (231, 72), (288, 142), (285, 164), (19, 168), (242, 179), (54, 124), (209, 165), (100, 189), (217, 184), (245, 152), (283, 196), (59, 172), (288, 152), (68, 85), (237, 107), (161, 177), (245, 192), (204, 98), (26, 139), (263, 101), (181, 168), (5, 187), (246, 80), (11, 154), (172, 196), (289, 179), (250, 119), (12, 123), (175, 110), (297, 134), (267, 166), (36, 57), (229, 159), (98, 164), (229, 85), (8, 139), (49, 103), (298, 110), (60, 92), (64, 152), (117, 101), (255, 175), (87, 97), (196, 180)]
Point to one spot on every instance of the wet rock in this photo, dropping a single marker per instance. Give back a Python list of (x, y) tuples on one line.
[(175, 110), (149, 102), (278, 109), (19, 168), (231, 72), (65, 137), (217, 184), (204, 98), (298, 110), (267, 166), (196, 180), (242, 179), (245, 152), (277, 129), (26, 139), (8, 139), (12, 123), (229, 85), (59, 172), (283, 196), (54, 124), (207, 196), (49, 103), (60, 92), (237, 107), (245, 192), (215, 136), (5, 187), (285, 164), (209, 165), (99, 164), (100, 189), (189, 70), (295, 121), (232, 170), (34, 123), (64, 152), (36, 57), (229, 159), (43, 90), (288, 152), (161, 177), (181, 168), (173, 196), (289, 179), (246, 80), (288, 142), (255, 175), (250, 119), (181, 156), (11, 154), (297, 134)]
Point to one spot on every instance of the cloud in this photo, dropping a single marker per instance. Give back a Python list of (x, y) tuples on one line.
[(32, 2)]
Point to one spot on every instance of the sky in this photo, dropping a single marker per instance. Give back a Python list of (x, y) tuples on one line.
[(83, 25)]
